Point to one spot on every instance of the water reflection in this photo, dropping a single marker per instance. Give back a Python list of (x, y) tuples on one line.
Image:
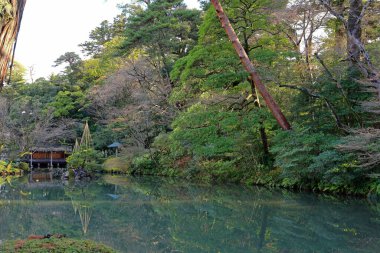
[(82, 200), (162, 215)]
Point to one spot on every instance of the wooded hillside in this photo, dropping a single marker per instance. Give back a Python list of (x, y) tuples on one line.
[(166, 82)]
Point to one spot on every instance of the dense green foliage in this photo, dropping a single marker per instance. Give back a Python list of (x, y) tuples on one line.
[(166, 82), (90, 159)]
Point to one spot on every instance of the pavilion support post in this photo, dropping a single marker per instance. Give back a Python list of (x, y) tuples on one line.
[(272, 105), (31, 161), (51, 159)]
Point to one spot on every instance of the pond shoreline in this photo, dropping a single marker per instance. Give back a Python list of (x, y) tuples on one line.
[(39, 244), (94, 176), (294, 189)]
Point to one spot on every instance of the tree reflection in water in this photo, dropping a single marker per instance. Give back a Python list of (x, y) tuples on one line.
[(82, 200), (150, 214)]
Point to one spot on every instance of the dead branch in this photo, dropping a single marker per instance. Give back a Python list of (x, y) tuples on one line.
[(365, 144)]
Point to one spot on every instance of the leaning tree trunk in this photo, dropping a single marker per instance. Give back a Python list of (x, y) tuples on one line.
[(275, 109), (9, 25)]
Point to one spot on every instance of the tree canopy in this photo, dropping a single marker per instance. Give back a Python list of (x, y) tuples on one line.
[(167, 83)]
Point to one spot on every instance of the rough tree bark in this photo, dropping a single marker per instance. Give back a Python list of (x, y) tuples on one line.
[(357, 53), (339, 34), (272, 105), (352, 26), (354, 29), (9, 28)]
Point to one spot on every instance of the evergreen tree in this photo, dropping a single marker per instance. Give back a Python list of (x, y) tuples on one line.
[(166, 30)]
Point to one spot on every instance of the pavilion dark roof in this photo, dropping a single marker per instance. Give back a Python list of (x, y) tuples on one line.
[(67, 149)]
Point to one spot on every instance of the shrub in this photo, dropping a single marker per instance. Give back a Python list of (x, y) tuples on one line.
[(54, 245), (116, 164), (144, 165), (296, 152), (23, 166), (90, 159)]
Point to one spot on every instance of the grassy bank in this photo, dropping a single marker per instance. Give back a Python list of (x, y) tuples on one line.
[(226, 172), (54, 245)]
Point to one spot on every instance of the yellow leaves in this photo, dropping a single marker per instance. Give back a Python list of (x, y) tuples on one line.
[(25, 193), (22, 154), (206, 95), (93, 68), (9, 167), (100, 68), (9, 180), (113, 45), (136, 54)]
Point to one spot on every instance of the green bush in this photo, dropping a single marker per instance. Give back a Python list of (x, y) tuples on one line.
[(144, 165), (23, 166), (90, 159), (295, 153), (63, 245), (116, 164)]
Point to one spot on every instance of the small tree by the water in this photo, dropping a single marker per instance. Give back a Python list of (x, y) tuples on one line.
[(84, 155), (76, 146), (86, 141)]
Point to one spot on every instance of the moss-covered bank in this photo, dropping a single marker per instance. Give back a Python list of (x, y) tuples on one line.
[(54, 245)]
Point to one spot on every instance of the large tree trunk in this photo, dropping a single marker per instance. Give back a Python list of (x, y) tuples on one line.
[(356, 50), (276, 111), (339, 35), (354, 28), (9, 29)]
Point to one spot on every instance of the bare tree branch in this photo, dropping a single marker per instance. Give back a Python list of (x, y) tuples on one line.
[(365, 7)]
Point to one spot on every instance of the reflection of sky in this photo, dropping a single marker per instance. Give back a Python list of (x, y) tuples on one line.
[(52, 27), (149, 214)]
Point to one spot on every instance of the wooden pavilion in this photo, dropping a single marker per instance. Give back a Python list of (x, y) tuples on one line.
[(115, 146), (48, 157)]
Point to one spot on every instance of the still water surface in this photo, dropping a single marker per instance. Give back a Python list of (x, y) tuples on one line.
[(149, 214)]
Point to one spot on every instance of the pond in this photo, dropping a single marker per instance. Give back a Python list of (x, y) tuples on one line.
[(150, 214)]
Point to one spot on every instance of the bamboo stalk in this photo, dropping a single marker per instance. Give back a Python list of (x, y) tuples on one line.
[(272, 105)]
